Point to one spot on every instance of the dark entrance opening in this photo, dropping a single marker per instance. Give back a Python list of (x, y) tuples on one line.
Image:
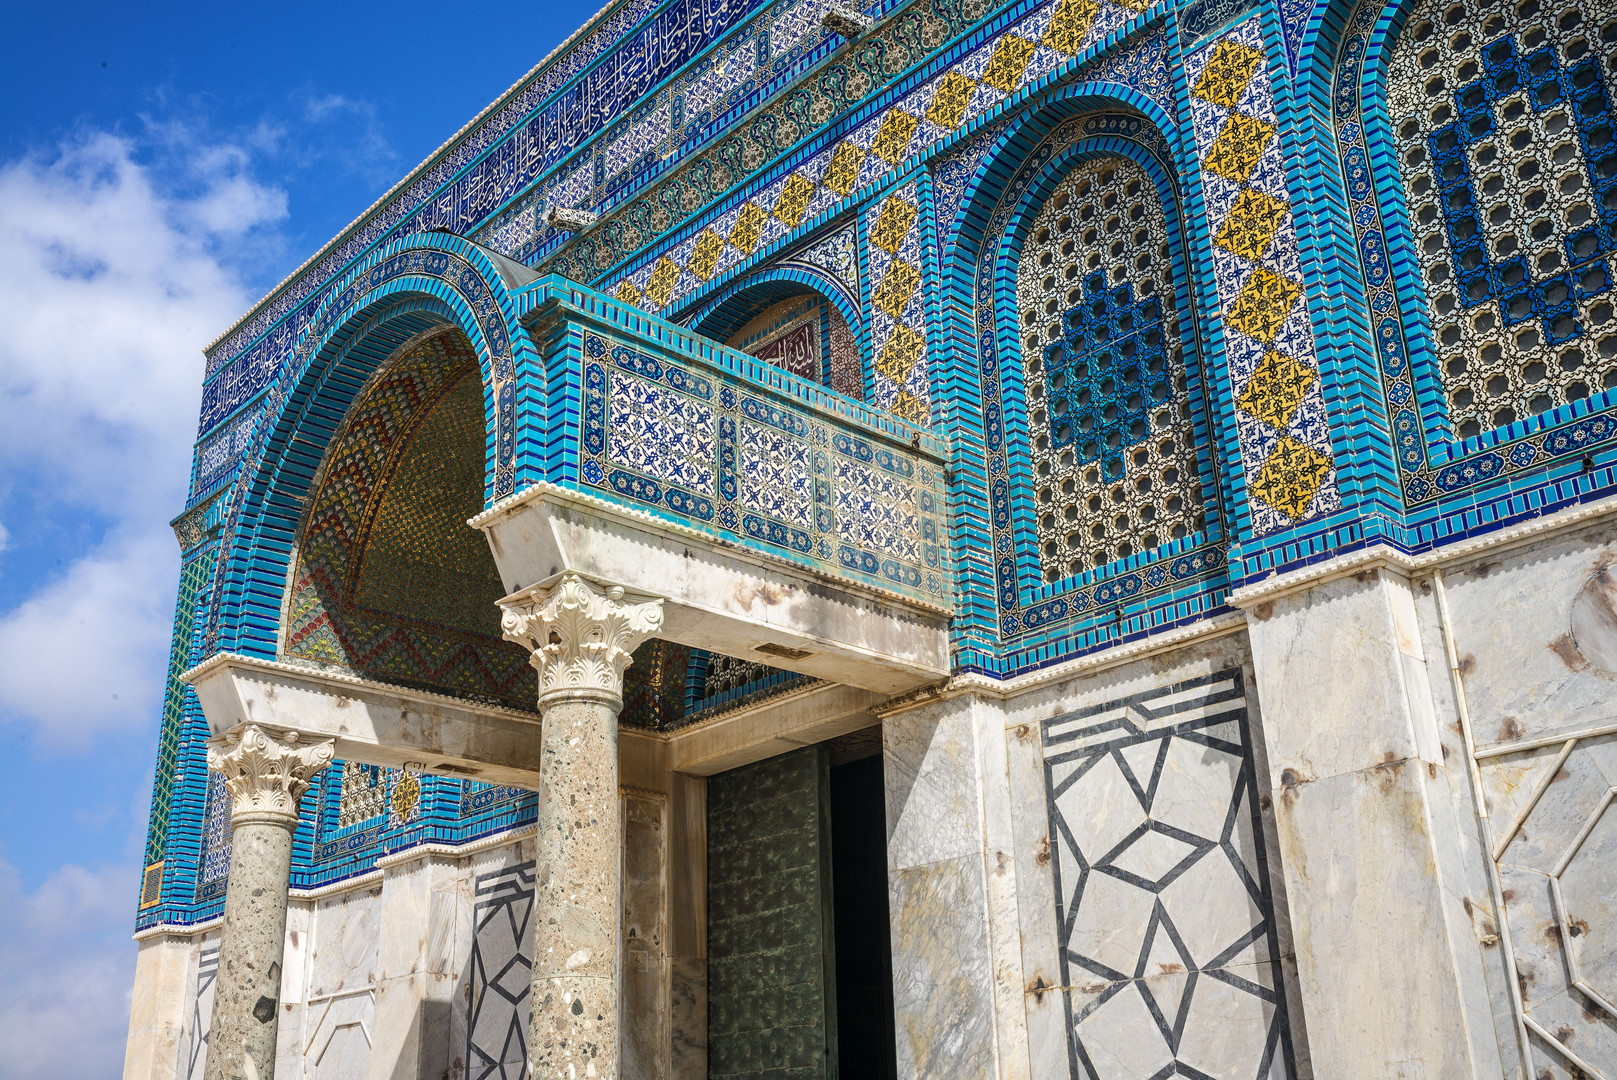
[(865, 1045), (800, 970)]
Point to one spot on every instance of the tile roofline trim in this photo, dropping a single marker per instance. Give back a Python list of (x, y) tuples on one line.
[(382, 200)]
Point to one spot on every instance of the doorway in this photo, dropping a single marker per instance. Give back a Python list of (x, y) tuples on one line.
[(799, 955)]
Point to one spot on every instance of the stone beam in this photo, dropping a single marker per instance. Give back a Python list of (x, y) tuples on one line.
[(371, 722), (774, 726), (719, 595)]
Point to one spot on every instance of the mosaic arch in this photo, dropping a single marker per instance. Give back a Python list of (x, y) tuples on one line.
[(402, 292), (390, 583), (1476, 144), (388, 580), (1037, 591)]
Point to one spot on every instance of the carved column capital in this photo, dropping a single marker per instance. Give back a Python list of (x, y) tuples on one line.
[(580, 637), (265, 774)]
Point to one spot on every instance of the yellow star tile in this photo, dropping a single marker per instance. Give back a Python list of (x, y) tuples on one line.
[(1251, 224), (749, 226), (892, 224), (660, 286), (1263, 304), (705, 255), (794, 199), (629, 293), (897, 129), (1070, 25), (1239, 145), (1225, 77), (899, 355), (843, 172), (896, 288), (1275, 390), (950, 100), (1291, 476), (909, 407), (1009, 63)]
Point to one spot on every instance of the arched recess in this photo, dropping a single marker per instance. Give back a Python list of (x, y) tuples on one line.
[(387, 580), (1029, 164), (792, 319), (412, 287), (1480, 163)]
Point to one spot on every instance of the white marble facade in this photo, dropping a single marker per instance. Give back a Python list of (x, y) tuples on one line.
[(1278, 846)]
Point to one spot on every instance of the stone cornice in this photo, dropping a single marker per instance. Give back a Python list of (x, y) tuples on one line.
[(1003, 689), (544, 489), (1384, 556)]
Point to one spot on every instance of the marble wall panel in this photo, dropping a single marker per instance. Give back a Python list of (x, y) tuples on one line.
[(1376, 828), (1539, 684), (499, 972), (954, 902), (1549, 665), (1154, 930), (942, 972)]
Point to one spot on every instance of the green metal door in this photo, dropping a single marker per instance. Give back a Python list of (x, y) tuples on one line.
[(771, 953)]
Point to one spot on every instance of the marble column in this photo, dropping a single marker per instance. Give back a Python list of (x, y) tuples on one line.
[(581, 638), (266, 774)]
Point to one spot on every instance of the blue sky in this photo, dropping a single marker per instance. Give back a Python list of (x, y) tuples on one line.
[(161, 167)]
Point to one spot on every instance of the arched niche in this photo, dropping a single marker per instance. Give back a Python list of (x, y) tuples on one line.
[(387, 580), (792, 325)]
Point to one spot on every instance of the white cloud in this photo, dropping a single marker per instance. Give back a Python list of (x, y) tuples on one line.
[(108, 291), (113, 608), (69, 964), (113, 276)]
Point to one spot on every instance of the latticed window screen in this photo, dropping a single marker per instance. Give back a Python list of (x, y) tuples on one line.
[(1114, 458), (364, 794), (1502, 117)]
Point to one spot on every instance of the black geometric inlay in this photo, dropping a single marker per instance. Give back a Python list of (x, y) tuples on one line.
[(501, 975), (1178, 901)]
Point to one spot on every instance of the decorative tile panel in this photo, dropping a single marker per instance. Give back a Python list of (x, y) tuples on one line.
[(1109, 410), (1477, 339), (897, 305), (1033, 47), (1024, 610), (1289, 467), (788, 479)]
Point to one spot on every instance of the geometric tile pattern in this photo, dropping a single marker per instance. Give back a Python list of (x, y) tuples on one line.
[(1025, 52), (500, 977), (1021, 615), (1431, 467), (898, 305), (684, 439), (1280, 408), (1108, 409), (1509, 166), (389, 581), (1170, 959), (364, 794), (194, 577), (213, 865)]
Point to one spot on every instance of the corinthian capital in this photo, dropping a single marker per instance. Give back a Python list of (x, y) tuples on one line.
[(581, 638), (266, 775)]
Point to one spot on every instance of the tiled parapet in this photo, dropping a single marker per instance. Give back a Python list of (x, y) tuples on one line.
[(643, 414)]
